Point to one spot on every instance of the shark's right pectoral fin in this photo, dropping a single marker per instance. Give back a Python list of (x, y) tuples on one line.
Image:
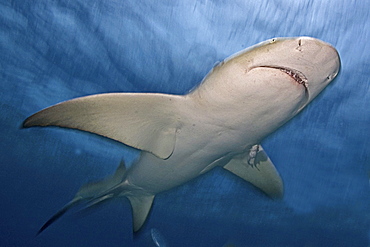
[(144, 121), (256, 167)]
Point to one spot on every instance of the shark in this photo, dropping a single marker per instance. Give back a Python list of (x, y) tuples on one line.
[(220, 123)]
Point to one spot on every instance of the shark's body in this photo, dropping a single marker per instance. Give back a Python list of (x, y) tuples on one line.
[(220, 123)]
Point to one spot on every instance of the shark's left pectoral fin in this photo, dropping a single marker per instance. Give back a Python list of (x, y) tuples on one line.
[(257, 168), (144, 121)]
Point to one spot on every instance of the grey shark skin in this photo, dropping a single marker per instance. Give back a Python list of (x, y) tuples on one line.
[(220, 123)]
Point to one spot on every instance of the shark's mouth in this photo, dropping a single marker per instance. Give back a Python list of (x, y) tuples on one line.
[(296, 75)]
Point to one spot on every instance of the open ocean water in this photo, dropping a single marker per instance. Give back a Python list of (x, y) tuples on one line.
[(55, 50)]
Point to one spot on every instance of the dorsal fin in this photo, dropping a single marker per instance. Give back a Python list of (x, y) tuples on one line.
[(93, 189)]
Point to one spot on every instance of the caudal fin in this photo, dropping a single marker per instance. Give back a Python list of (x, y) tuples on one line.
[(60, 213), (92, 193)]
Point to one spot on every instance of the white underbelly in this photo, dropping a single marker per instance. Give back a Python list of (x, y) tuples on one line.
[(155, 175), (188, 161)]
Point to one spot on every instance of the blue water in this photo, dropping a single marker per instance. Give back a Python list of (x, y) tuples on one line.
[(55, 50)]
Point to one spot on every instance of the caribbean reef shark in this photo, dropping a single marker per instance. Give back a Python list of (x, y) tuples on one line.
[(221, 123)]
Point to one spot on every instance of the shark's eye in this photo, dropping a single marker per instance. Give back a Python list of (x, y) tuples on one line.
[(331, 76)]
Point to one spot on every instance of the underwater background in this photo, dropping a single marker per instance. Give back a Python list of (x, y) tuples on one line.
[(55, 50)]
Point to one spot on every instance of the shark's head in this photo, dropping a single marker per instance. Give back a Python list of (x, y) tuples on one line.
[(300, 64), (309, 62), (272, 81)]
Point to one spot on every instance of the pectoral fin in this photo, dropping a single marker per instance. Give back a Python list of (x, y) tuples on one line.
[(144, 121), (256, 168)]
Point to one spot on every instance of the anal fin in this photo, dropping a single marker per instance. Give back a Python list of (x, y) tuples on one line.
[(140, 209)]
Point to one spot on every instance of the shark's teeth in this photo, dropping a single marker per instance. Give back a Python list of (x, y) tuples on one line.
[(298, 76)]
